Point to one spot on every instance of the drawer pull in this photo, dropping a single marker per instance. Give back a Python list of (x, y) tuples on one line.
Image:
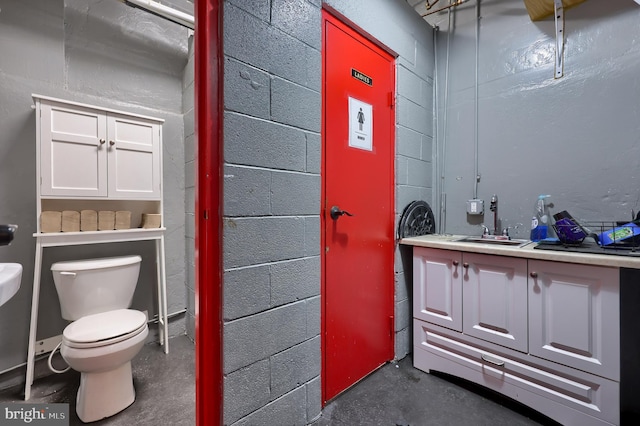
[(490, 361), (534, 274), (465, 265), (456, 263)]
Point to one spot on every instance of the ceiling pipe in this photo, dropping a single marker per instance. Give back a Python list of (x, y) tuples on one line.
[(457, 3), (163, 11)]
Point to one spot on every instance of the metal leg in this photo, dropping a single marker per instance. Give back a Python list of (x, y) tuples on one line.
[(35, 298), (162, 295)]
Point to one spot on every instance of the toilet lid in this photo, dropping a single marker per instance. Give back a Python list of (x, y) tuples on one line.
[(104, 326)]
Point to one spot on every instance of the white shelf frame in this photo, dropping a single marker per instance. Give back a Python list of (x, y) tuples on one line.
[(59, 239)]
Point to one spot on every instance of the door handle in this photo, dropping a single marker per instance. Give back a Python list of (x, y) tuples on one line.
[(335, 213)]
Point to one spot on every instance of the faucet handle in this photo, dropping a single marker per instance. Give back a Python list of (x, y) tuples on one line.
[(485, 230)]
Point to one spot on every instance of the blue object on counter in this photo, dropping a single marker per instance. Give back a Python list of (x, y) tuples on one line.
[(541, 219), (619, 233)]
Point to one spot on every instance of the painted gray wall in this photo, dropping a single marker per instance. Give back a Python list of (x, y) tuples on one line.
[(106, 54), (576, 138), (272, 192)]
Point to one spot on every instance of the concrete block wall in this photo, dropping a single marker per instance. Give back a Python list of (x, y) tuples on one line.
[(414, 170), (190, 145), (271, 212)]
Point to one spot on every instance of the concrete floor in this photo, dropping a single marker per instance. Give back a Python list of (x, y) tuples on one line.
[(165, 388), (396, 394), (400, 395)]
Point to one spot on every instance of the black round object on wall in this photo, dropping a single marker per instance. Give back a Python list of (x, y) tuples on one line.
[(417, 219)]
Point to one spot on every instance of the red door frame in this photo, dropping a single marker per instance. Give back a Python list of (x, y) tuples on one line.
[(332, 14), (209, 109)]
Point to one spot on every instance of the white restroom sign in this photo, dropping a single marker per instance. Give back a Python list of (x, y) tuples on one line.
[(360, 125)]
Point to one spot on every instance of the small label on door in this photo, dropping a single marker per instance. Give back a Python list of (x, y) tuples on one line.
[(361, 76), (360, 125)]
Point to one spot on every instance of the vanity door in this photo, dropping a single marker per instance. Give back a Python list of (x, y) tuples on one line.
[(494, 294), (574, 316)]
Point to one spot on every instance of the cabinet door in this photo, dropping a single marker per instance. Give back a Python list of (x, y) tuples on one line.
[(73, 153), (437, 296), (494, 294), (134, 158), (574, 316)]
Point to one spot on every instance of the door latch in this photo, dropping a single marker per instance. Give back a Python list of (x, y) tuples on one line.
[(335, 213)]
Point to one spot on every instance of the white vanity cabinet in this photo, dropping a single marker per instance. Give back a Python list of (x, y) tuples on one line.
[(542, 332), (482, 296), (87, 152)]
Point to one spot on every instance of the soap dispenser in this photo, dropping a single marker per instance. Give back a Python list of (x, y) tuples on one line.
[(541, 219)]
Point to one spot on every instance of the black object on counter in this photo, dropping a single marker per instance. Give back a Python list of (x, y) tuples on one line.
[(6, 234)]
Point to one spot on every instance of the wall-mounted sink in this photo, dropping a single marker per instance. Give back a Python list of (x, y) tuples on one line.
[(10, 276), (494, 241)]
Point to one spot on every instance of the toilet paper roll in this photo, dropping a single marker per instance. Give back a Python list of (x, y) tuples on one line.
[(70, 221), (151, 220), (123, 219), (50, 221), (88, 220), (106, 220)]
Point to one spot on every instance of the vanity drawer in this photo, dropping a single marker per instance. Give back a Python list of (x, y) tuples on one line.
[(557, 393)]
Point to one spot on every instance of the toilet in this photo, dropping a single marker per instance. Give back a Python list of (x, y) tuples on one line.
[(104, 335)]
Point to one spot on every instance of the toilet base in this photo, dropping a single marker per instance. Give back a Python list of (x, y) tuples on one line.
[(105, 393)]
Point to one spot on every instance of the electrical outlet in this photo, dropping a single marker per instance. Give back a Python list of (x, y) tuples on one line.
[(475, 207)]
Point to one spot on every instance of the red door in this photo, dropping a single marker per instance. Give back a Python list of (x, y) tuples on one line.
[(358, 184)]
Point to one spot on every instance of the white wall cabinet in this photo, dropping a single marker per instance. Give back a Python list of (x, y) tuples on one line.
[(87, 152), (544, 333), (90, 158)]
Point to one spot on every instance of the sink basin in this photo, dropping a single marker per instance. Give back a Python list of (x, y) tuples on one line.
[(494, 241), (10, 275)]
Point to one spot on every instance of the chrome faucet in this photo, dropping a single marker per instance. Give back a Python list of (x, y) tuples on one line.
[(494, 208)]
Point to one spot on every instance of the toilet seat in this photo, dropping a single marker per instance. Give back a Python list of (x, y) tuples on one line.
[(104, 329)]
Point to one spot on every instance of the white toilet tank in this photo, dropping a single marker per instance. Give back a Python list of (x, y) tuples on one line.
[(93, 286)]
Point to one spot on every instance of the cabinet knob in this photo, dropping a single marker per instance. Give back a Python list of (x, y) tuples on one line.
[(455, 263), (533, 274), (465, 265), (112, 143), (102, 141)]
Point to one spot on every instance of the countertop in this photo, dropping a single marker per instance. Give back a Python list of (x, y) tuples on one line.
[(447, 242)]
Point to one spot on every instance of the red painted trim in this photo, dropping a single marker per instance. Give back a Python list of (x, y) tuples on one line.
[(209, 105), (323, 236)]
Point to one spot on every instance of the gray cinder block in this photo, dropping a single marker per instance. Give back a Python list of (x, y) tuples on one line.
[(246, 292), (249, 241), (295, 280), (250, 339), (255, 142), (294, 193), (295, 366), (295, 105), (246, 390)]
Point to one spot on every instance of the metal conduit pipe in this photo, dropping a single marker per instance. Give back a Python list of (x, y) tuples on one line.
[(429, 6), (163, 11), (476, 165)]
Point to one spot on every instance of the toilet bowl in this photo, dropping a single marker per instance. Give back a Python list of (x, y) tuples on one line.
[(104, 335)]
